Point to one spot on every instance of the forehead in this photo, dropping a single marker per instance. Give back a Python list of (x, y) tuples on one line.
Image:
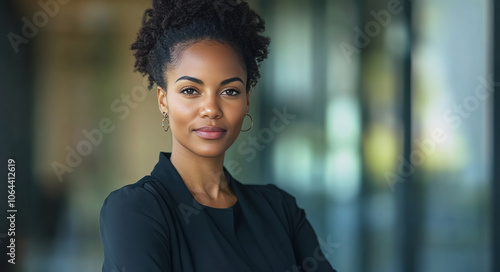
[(208, 59)]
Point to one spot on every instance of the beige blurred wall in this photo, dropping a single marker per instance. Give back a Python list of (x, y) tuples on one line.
[(82, 66)]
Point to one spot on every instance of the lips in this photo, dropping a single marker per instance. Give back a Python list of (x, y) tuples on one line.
[(210, 132)]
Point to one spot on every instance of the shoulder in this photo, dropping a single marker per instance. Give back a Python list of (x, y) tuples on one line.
[(133, 232), (131, 209), (133, 197)]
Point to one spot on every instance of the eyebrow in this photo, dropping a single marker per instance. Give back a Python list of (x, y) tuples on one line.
[(198, 81)]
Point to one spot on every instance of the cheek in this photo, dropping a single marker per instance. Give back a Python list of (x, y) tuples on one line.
[(180, 112), (237, 114)]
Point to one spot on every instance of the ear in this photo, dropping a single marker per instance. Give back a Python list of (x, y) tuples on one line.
[(162, 100), (248, 102)]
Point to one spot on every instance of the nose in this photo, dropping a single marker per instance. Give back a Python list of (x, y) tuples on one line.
[(211, 108)]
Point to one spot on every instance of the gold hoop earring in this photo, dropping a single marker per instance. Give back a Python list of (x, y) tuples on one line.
[(163, 122), (251, 124)]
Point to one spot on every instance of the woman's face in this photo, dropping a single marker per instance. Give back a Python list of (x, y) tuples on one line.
[(206, 99)]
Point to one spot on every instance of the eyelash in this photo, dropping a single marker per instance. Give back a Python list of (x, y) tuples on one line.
[(236, 92), (184, 91)]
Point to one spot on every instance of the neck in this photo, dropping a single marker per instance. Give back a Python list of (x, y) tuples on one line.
[(202, 175)]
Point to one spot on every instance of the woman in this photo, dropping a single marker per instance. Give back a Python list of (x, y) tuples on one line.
[(189, 214)]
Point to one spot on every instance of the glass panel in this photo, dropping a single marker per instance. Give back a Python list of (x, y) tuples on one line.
[(451, 107)]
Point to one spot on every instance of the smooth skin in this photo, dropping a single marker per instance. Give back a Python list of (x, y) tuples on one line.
[(205, 88)]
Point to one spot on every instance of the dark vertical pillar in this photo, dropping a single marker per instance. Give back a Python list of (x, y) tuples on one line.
[(364, 241), (319, 65), (16, 113), (319, 68), (265, 102), (407, 192), (495, 182)]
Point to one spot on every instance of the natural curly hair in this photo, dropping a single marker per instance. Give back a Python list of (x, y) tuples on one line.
[(172, 25)]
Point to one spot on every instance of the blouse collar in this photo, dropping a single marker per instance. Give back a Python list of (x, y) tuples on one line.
[(167, 174), (252, 205)]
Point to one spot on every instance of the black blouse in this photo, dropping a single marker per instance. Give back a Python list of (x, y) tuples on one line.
[(157, 225)]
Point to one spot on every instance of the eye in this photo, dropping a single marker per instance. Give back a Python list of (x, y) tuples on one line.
[(189, 91), (231, 92)]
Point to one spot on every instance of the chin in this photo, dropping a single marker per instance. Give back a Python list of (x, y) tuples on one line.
[(209, 151), (206, 148), (209, 148)]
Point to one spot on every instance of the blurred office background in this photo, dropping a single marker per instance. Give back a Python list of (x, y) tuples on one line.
[(392, 149)]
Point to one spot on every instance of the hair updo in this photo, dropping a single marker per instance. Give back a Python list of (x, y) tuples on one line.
[(172, 25)]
